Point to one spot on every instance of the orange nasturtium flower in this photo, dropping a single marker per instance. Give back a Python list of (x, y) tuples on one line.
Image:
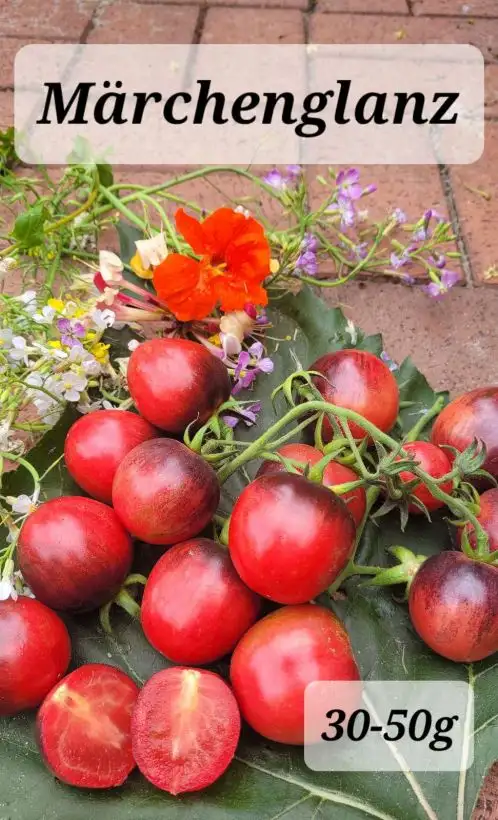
[(235, 260)]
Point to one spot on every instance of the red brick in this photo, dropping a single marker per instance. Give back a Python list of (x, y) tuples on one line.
[(63, 20), (478, 212), (364, 6), (6, 109), (248, 26), (144, 23), (471, 8), (491, 89), (10, 47), (282, 4), (413, 188), (339, 28)]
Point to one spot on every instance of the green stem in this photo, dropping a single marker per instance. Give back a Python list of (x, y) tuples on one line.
[(351, 568), (417, 428)]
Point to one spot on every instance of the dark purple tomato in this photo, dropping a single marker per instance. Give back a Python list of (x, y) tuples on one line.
[(84, 727), (473, 415), (433, 461), (453, 603), (195, 607), (334, 473), (35, 651), (289, 538), (165, 493), (185, 729), (359, 381), (74, 553), (488, 519), (276, 660), (174, 382), (97, 443)]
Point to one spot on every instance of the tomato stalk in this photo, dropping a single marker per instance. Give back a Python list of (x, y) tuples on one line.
[(420, 425)]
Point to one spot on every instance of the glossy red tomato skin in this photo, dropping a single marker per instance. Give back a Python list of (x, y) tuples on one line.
[(487, 517), (35, 651), (359, 381), (174, 382), (97, 443), (74, 553), (473, 415), (334, 473), (433, 461), (278, 657), (83, 727), (165, 493), (453, 603), (195, 607), (289, 538), (185, 729)]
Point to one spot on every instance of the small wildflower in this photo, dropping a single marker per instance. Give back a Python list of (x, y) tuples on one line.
[(275, 179), (5, 338), (398, 260), (249, 364), (56, 304), (307, 263), (7, 590), (436, 290), (111, 267), (387, 360), (19, 350), (345, 209), (102, 319), (45, 317), (152, 251), (348, 184), (399, 216), (22, 505), (71, 332), (294, 172), (100, 351), (29, 300), (133, 344), (249, 415)]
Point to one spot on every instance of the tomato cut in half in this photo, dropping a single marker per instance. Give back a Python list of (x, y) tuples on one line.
[(185, 729), (84, 727)]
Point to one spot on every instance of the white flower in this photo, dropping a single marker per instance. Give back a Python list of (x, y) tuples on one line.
[(133, 344), (22, 505), (85, 407), (152, 251), (19, 350), (110, 266), (21, 586), (88, 362), (29, 300), (5, 436), (72, 386), (7, 590), (46, 316), (230, 344), (5, 338), (7, 264), (102, 319)]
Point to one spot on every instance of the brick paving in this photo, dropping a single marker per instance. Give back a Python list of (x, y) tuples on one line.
[(455, 341)]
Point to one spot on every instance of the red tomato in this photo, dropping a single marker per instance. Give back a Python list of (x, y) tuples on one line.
[(97, 443), (84, 727), (195, 607), (359, 381), (289, 538), (453, 606), (488, 519), (185, 729), (164, 493), (433, 461), (334, 473), (35, 651), (174, 382), (278, 657), (74, 553), (473, 415)]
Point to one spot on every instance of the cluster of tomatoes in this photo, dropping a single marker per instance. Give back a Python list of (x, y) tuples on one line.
[(289, 538)]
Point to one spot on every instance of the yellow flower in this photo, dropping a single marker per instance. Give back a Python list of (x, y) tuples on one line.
[(78, 313), (56, 304), (99, 350), (215, 340), (55, 343), (138, 268), (274, 265)]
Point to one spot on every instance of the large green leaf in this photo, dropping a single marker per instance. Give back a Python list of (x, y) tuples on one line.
[(268, 781)]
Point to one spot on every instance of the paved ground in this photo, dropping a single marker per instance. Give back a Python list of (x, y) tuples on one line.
[(454, 341)]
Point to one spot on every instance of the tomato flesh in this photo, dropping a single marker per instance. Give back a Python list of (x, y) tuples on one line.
[(174, 382), (195, 607), (278, 657), (165, 493), (185, 729), (473, 415), (433, 461), (84, 727), (453, 606), (289, 538), (97, 443), (74, 553), (359, 381), (35, 651), (334, 473)]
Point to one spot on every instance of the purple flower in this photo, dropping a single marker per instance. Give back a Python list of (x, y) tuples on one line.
[(438, 263), (397, 260), (360, 251), (387, 360), (249, 364), (399, 216), (348, 184), (436, 290), (309, 243), (275, 179), (407, 279), (249, 415), (307, 263), (294, 172), (423, 231), (345, 208), (71, 332), (262, 317)]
